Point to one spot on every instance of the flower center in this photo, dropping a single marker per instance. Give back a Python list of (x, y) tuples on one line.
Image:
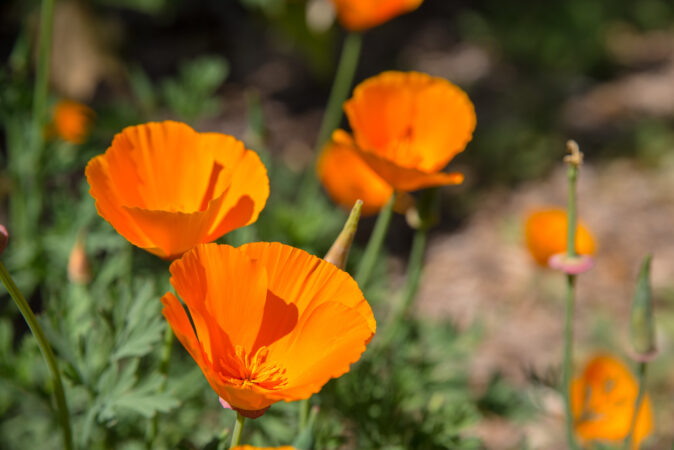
[(254, 369)]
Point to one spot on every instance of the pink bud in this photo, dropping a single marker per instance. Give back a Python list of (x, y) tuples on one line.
[(571, 265)]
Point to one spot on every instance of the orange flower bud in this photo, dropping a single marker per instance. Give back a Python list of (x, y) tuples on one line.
[(78, 263)]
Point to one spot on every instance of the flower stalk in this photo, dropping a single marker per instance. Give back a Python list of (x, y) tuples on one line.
[(46, 350), (375, 243), (641, 379), (238, 428), (573, 160), (341, 86)]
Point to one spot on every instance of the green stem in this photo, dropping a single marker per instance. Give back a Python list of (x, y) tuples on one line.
[(341, 86), (238, 428), (375, 243), (164, 361), (42, 72), (567, 368), (414, 268), (641, 377), (305, 406), (46, 350)]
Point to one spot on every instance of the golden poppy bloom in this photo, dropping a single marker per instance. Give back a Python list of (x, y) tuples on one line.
[(347, 178), (407, 126), (359, 15), (602, 402), (545, 234), (271, 322), (72, 121), (167, 188)]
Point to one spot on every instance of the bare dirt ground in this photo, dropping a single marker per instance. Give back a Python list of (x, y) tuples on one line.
[(484, 275)]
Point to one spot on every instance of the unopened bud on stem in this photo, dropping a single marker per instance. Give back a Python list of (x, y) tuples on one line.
[(339, 252)]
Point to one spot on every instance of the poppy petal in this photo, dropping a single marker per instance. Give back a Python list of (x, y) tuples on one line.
[(347, 178)]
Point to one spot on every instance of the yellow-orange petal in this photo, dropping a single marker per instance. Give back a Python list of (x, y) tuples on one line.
[(347, 178), (411, 119), (334, 321), (166, 188), (602, 402), (225, 284), (359, 15), (545, 234), (306, 280), (72, 121)]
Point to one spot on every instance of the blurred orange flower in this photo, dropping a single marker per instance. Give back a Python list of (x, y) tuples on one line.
[(72, 121), (545, 233), (359, 15), (271, 322), (408, 125), (602, 402), (347, 178), (167, 188)]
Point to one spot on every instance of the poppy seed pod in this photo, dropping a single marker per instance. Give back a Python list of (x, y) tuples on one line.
[(641, 319)]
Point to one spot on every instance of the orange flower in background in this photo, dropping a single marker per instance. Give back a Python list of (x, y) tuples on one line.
[(545, 233), (359, 15), (72, 121), (271, 322), (602, 402), (347, 178), (407, 126), (167, 188)]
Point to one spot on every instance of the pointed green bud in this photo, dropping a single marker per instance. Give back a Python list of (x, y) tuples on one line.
[(339, 252), (643, 330)]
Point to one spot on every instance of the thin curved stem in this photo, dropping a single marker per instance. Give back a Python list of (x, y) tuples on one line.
[(375, 243), (46, 350), (164, 361), (304, 406), (238, 428), (414, 269)]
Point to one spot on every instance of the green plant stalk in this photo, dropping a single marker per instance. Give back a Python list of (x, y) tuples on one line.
[(46, 350), (164, 361), (567, 367), (414, 269), (341, 86), (641, 378), (238, 428), (305, 406), (375, 243)]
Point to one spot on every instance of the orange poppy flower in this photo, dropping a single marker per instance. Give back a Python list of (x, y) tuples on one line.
[(271, 322), (347, 178), (72, 121), (359, 15), (407, 126), (167, 188), (602, 402), (545, 233)]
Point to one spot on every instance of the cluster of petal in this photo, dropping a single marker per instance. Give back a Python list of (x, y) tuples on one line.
[(347, 178), (545, 234), (72, 121), (359, 15), (407, 126), (271, 322), (602, 402), (167, 188)]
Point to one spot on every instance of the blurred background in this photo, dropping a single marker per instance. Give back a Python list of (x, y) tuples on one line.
[(597, 71)]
